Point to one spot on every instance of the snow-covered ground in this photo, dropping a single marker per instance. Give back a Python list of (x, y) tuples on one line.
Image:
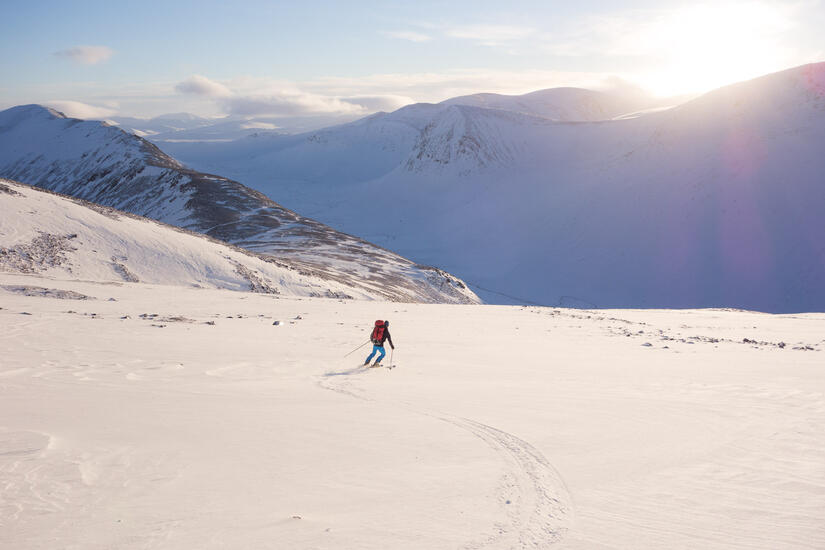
[(150, 416)]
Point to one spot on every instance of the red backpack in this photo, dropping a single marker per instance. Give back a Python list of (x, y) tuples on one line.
[(378, 332)]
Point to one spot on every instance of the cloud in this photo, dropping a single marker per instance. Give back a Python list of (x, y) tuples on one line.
[(202, 86), (263, 97), (490, 35), (76, 109), (412, 36), (86, 55), (377, 103), (259, 125), (287, 103)]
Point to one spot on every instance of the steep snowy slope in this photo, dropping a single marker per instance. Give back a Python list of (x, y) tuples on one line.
[(714, 203), (103, 164), (46, 234)]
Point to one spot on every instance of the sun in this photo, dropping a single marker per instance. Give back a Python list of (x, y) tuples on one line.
[(702, 47)]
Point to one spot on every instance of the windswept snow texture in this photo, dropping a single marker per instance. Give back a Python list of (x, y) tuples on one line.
[(715, 202), (159, 417), (103, 164)]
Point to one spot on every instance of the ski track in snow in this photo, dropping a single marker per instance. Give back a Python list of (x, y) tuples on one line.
[(531, 494)]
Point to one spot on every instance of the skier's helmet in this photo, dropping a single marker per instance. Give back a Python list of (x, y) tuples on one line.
[(386, 323)]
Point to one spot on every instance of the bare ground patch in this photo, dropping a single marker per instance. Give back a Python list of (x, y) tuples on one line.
[(43, 292), (43, 252)]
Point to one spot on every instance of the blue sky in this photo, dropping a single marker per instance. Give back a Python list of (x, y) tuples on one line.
[(269, 58)]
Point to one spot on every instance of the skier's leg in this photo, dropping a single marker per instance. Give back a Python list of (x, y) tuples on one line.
[(382, 353), (371, 355)]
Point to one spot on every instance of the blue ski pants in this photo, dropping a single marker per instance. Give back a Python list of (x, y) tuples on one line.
[(374, 349)]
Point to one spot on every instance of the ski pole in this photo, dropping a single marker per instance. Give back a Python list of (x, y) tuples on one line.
[(359, 347), (392, 350)]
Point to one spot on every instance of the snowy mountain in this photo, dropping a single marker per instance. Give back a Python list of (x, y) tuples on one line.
[(560, 104), (100, 163), (716, 202)]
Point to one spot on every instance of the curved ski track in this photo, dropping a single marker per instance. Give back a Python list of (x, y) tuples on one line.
[(536, 504)]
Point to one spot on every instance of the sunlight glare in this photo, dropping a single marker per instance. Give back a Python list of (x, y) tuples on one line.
[(710, 45)]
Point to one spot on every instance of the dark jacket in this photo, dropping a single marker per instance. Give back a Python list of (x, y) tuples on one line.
[(385, 338)]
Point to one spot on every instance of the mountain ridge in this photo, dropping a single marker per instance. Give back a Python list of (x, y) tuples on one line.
[(686, 207), (103, 164)]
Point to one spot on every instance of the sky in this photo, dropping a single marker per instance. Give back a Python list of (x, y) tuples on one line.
[(98, 59)]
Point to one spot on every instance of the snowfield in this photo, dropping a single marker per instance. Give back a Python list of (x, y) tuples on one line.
[(138, 416)]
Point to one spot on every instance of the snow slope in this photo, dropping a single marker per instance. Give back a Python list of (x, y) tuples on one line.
[(64, 238), (136, 424), (560, 104), (716, 202), (103, 164)]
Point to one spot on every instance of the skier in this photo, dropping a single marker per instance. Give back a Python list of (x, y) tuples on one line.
[(380, 333)]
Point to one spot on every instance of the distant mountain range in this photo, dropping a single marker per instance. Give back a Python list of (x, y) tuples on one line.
[(560, 104), (186, 127), (566, 198), (105, 165)]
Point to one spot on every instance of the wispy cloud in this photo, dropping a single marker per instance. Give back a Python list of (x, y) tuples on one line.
[(490, 35), (86, 55), (377, 103), (202, 86), (253, 97), (76, 109), (286, 104), (412, 36)]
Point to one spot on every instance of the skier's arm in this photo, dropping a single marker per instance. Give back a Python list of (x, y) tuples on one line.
[(389, 339)]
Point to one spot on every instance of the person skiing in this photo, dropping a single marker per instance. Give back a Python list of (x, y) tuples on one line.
[(380, 334)]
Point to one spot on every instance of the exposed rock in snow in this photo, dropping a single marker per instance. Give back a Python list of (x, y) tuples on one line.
[(29, 290)]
